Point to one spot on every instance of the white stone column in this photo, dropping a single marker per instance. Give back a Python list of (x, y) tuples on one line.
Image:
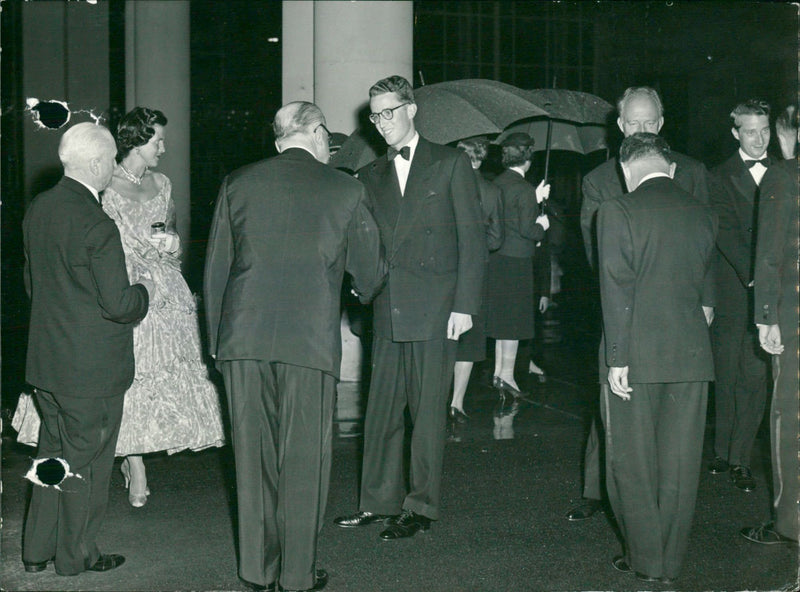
[(157, 75)]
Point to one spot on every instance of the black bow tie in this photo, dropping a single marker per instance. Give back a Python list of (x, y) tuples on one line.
[(405, 152), (765, 162)]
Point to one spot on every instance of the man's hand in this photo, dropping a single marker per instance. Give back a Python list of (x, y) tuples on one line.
[(544, 304), (709, 312), (542, 191), (458, 324), (769, 336), (618, 381)]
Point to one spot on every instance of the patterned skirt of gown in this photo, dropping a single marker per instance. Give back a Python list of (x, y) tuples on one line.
[(171, 405)]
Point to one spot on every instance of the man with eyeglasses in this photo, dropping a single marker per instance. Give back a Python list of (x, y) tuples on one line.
[(425, 200), (284, 232), (740, 390)]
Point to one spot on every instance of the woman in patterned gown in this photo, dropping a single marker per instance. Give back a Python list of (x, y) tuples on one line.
[(171, 405)]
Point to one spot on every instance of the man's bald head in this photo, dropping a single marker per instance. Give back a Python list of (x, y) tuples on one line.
[(87, 152), (301, 124)]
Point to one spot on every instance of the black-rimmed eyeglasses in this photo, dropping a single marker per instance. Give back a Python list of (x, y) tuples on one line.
[(327, 131), (386, 114)]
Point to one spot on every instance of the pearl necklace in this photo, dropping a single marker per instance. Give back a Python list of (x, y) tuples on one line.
[(130, 176)]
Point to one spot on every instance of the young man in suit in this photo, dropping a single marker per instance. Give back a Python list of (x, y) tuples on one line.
[(640, 110), (655, 248), (425, 201), (740, 390), (776, 314), (284, 232), (80, 351)]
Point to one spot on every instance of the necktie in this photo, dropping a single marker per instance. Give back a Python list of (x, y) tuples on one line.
[(765, 162), (405, 152)]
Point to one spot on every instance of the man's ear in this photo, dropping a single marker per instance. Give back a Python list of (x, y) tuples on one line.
[(735, 133), (412, 110), (620, 126), (672, 168), (94, 166), (278, 147), (660, 124), (626, 171)]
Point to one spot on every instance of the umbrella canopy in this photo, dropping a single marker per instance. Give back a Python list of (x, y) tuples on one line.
[(358, 150), (450, 111), (573, 137), (571, 105)]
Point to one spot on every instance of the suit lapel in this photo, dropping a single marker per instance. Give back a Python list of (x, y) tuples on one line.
[(417, 191)]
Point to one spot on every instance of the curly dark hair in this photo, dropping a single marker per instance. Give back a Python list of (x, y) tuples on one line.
[(136, 128)]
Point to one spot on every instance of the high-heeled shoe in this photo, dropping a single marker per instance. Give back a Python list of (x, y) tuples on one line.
[(536, 370), (456, 422), (458, 416), (502, 385), (137, 500)]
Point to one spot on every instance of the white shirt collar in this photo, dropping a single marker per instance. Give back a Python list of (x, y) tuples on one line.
[(518, 169), (89, 187), (745, 157), (653, 176)]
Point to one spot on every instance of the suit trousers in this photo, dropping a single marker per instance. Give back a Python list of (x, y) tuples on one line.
[(784, 433), (740, 389), (654, 445), (64, 524), (416, 374), (281, 430), (593, 467)]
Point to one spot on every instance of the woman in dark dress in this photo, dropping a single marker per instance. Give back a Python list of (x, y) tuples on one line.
[(510, 275)]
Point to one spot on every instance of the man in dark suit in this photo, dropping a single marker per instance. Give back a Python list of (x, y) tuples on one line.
[(740, 390), (776, 314), (640, 110), (80, 351), (655, 249), (425, 201), (284, 232)]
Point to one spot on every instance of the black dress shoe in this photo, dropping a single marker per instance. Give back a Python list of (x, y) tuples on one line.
[(359, 519), (502, 385), (585, 510), (406, 525), (718, 465), (742, 478), (36, 566), (620, 564), (320, 581), (261, 588), (456, 422), (766, 535), (107, 562)]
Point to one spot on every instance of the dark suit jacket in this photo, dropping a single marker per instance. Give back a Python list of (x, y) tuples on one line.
[(520, 210), (82, 306), (655, 247), (435, 242), (776, 275), (285, 230), (492, 207), (606, 182), (734, 197)]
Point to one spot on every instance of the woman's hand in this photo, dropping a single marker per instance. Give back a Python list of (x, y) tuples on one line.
[(169, 242), (542, 191)]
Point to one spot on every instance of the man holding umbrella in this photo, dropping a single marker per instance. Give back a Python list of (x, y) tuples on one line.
[(640, 110), (425, 201)]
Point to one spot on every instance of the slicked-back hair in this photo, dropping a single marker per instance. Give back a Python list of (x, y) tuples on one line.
[(393, 84), (136, 128), (749, 107), (83, 142), (476, 148), (296, 117), (516, 155), (640, 91), (644, 145)]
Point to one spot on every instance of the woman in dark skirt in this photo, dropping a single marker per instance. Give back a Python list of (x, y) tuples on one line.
[(510, 275), (472, 344)]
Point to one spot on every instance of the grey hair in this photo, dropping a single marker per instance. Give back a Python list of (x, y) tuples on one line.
[(296, 117), (83, 142), (640, 91), (644, 145)]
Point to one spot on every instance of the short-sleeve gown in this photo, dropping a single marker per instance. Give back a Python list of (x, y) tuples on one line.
[(171, 405)]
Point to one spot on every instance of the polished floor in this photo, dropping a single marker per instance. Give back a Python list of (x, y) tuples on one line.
[(507, 485)]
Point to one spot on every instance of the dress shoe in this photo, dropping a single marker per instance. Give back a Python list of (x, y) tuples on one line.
[(742, 478), (359, 519), (456, 422), (320, 581), (136, 499), (253, 586), (36, 566), (406, 525), (537, 371), (718, 465), (620, 564), (766, 535), (502, 385), (107, 562), (586, 509)]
